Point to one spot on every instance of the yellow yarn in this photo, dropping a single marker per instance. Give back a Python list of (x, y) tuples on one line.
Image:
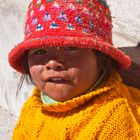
[(110, 112)]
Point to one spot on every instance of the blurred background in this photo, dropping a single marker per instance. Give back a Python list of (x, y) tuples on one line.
[(126, 32)]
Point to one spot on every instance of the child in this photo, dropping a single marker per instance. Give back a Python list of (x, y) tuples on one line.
[(68, 55)]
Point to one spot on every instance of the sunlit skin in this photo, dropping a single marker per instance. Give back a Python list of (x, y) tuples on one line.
[(63, 73)]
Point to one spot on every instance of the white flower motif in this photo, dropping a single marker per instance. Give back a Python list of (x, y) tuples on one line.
[(86, 11), (38, 2), (56, 5), (42, 8), (71, 6), (31, 13)]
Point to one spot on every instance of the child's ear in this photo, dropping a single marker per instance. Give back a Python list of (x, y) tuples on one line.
[(109, 61), (106, 63)]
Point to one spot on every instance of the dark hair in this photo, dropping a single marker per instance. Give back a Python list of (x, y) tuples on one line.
[(26, 76), (105, 63)]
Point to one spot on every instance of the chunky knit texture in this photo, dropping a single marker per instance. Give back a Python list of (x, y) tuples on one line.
[(68, 23), (110, 112)]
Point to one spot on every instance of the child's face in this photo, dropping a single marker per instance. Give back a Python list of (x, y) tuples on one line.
[(63, 73)]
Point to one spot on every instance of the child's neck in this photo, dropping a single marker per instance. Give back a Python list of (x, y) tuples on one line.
[(46, 99)]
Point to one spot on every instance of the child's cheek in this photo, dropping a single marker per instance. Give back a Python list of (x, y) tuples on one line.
[(75, 74), (35, 71)]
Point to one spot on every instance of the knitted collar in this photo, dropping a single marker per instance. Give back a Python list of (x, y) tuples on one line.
[(113, 79)]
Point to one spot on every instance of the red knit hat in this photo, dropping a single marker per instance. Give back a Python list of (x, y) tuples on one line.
[(64, 23)]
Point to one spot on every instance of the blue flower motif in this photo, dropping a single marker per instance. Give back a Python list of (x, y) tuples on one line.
[(85, 31), (78, 20), (39, 27), (35, 21), (54, 25), (70, 27), (62, 16), (103, 2), (47, 17)]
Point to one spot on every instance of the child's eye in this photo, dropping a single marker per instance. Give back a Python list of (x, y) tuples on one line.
[(71, 48), (38, 52)]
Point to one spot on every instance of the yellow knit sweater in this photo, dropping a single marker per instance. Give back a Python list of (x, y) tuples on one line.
[(110, 112)]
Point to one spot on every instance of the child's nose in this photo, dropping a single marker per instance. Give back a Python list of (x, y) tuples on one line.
[(55, 65)]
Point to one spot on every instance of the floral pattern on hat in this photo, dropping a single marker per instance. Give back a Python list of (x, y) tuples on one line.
[(86, 17)]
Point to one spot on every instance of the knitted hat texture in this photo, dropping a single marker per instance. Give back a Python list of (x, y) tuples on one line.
[(67, 23)]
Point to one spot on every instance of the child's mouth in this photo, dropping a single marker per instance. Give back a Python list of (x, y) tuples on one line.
[(58, 80)]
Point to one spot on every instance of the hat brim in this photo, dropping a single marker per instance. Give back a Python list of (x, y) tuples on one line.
[(16, 55)]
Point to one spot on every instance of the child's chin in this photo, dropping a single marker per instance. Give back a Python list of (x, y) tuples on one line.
[(60, 96), (59, 92)]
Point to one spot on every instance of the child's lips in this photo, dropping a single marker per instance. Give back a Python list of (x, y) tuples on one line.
[(57, 79)]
